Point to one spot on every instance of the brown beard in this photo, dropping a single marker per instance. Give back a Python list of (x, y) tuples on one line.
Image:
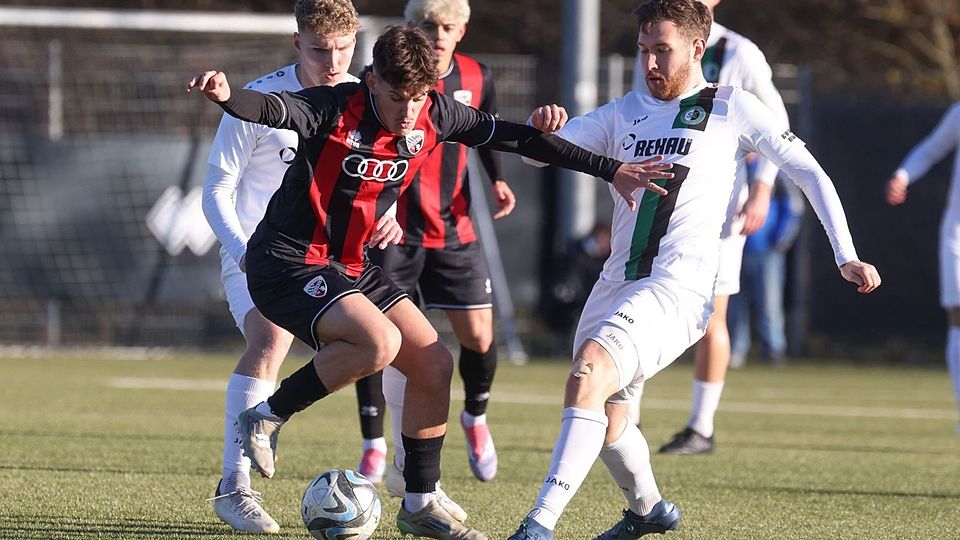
[(674, 86)]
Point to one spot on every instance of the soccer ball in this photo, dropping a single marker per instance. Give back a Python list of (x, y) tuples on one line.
[(340, 505)]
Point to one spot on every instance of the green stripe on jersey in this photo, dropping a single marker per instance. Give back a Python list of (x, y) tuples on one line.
[(695, 110), (653, 219), (641, 231)]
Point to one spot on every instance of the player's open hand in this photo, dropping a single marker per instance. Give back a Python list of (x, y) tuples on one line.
[(213, 84), (548, 118), (633, 176), (386, 232), (897, 190), (504, 198), (864, 275)]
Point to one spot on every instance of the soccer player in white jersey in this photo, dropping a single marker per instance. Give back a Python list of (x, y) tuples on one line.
[(246, 166), (944, 139), (730, 60), (655, 294)]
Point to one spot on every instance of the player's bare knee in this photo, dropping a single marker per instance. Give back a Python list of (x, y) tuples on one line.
[(479, 341), (433, 370), (384, 346)]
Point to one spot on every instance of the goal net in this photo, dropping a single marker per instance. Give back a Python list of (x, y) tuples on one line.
[(102, 158)]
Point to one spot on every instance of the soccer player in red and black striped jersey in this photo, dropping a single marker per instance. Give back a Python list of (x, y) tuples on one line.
[(439, 251), (360, 146)]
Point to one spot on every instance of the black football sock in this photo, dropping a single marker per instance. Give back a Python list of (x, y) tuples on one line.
[(477, 370), (421, 469), (297, 392), (371, 405)]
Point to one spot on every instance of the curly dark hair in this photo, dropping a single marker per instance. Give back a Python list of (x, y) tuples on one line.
[(691, 16), (404, 57)]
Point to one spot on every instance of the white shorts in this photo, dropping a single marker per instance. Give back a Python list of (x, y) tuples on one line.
[(949, 264), (731, 256), (643, 325), (235, 287), (731, 241)]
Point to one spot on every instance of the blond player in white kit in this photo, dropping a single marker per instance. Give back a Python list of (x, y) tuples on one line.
[(730, 60), (944, 139), (246, 165), (655, 294)]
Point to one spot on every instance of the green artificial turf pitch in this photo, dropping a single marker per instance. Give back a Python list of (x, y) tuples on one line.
[(117, 448)]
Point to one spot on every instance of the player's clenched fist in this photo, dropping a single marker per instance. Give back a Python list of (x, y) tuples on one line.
[(213, 84), (548, 118), (862, 274), (633, 176)]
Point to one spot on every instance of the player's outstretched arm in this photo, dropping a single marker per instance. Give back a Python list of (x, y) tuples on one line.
[(864, 275), (213, 84)]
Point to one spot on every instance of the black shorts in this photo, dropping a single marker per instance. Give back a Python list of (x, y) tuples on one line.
[(295, 295), (449, 278)]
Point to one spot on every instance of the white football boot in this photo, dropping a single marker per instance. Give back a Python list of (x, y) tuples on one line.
[(242, 510)]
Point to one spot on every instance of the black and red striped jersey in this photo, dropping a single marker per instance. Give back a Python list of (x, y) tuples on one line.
[(349, 170), (434, 211)]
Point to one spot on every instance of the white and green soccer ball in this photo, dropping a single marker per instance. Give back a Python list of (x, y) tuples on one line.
[(340, 505)]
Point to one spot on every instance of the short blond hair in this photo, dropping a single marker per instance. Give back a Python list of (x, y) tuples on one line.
[(327, 18), (455, 11)]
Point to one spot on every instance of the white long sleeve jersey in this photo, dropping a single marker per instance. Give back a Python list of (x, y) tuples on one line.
[(703, 133), (733, 60), (944, 139), (246, 166)]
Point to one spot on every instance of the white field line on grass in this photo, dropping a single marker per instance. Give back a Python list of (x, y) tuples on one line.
[(852, 411)]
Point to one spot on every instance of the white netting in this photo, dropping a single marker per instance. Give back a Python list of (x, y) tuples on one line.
[(98, 137), (95, 129)]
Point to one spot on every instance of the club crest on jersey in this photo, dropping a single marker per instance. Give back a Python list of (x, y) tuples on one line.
[(693, 116), (463, 96), (413, 141), (317, 287)]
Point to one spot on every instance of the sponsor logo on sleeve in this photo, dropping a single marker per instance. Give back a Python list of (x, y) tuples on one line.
[(788, 136)]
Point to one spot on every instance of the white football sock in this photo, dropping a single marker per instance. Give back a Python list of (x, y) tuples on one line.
[(414, 502), (264, 408), (628, 460), (706, 400), (379, 443), (581, 436), (470, 420), (633, 409), (242, 393), (953, 360), (394, 385)]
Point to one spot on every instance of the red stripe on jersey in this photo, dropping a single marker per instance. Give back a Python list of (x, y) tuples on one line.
[(459, 208), (430, 200), (471, 78), (326, 174), (321, 188)]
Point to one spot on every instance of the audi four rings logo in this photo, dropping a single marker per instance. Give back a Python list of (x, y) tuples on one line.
[(358, 166)]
